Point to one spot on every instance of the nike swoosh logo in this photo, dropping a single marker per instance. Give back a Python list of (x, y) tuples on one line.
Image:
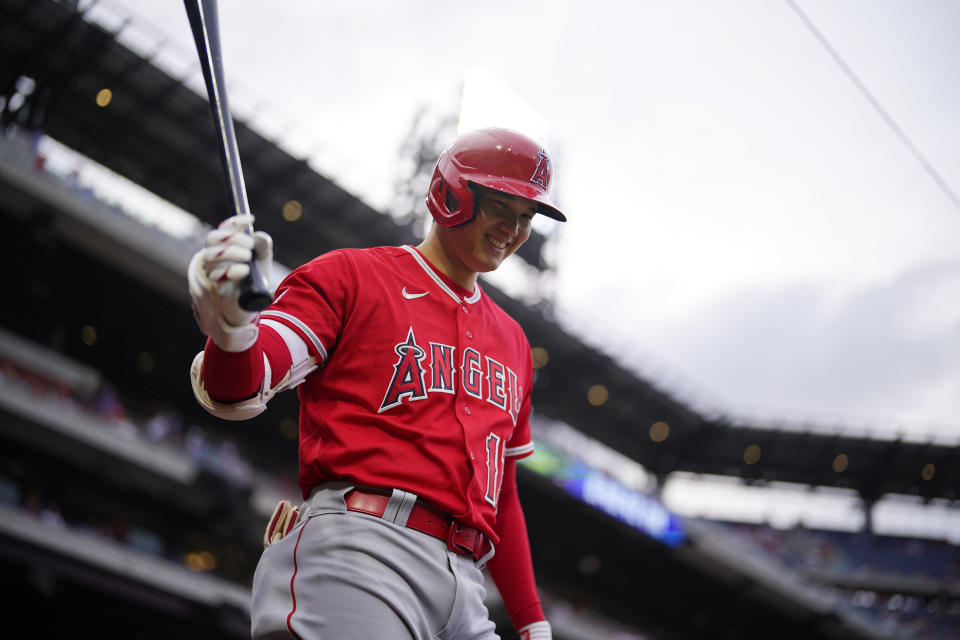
[(412, 296)]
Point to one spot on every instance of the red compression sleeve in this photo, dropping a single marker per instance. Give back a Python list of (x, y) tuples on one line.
[(234, 376), (512, 567)]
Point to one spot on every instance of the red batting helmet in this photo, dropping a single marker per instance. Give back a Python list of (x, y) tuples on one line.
[(500, 159)]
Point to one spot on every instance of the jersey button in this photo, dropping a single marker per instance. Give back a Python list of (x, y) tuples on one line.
[(470, 334), (466, 410), (465, 310)]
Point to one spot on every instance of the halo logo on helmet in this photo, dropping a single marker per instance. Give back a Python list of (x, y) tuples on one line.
[(542, 174), (498, 159)]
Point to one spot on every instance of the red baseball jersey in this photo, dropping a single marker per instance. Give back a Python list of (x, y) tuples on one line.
[(423, 386)]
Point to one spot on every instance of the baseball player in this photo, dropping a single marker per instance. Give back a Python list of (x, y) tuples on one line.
[(414, 392)]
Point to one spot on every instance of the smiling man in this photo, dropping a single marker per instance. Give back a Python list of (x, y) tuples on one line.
[(414, 390)]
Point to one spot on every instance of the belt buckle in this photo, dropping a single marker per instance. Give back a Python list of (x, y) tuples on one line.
[(458, 547)]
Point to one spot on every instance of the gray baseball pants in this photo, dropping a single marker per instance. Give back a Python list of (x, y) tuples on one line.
[(343, 575)]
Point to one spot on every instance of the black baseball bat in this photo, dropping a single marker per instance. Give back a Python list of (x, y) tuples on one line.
[(204, 22)]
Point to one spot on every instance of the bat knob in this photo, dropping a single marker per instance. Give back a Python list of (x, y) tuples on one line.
[(254, 294)]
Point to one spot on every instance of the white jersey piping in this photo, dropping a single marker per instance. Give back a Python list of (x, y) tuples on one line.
[(307, 331)]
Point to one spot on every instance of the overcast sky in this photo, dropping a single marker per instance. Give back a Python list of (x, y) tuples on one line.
[(744, 226)]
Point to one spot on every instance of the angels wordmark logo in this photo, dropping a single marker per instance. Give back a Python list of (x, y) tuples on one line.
[(481, 376)]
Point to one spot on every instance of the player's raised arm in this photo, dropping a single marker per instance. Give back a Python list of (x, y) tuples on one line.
[(240, 370)]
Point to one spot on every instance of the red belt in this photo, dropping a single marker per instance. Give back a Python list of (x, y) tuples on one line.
[(460, 538)]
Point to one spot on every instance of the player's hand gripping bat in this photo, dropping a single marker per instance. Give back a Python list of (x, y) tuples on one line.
[(254, 294)]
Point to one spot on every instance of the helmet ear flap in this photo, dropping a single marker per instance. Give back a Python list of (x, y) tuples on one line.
[(445, 196), (451, 202), (437, 198), (438, 189), (449, 206)]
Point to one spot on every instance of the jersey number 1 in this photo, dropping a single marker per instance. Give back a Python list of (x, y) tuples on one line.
[(496, 456)]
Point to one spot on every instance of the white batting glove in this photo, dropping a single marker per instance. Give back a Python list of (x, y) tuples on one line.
[(536, 631), (214, 277)]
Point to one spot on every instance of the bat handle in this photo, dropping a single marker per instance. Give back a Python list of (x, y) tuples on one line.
[(254, 294)]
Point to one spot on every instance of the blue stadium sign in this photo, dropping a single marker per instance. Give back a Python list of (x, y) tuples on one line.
[(637, 509), (597, 489)]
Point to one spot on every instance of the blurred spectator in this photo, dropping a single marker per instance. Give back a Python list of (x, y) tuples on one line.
[(9, 493), (198, 446), (163, 426), (46, 511), (234, 468)]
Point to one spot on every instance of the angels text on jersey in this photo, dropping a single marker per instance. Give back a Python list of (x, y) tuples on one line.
[(420, 371)]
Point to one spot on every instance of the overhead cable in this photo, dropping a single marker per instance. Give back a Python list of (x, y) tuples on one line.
[(928, 167)]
